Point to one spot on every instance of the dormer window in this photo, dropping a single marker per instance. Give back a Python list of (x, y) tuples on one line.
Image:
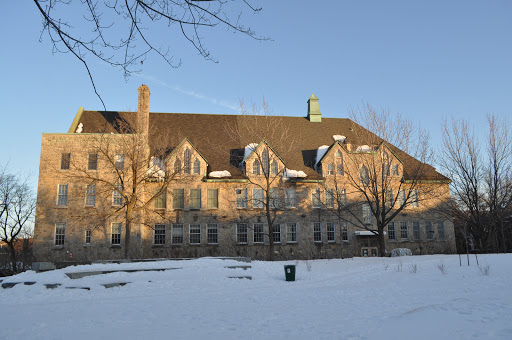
[(394, 170), (274, 168), (339, 163), (197, 167), (256, 167), (186, 161), (363, 172), (177, 166), (330, 169), (264, 161)]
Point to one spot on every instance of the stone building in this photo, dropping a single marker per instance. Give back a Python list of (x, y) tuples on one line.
[(159, 185)]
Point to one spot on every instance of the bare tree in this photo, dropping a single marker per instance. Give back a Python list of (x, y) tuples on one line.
[(481, 187), (123, 33), (131, 176), (268, 142), (386, 169), (17, 207)]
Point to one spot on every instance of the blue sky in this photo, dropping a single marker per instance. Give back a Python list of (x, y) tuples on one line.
[(427, 60)]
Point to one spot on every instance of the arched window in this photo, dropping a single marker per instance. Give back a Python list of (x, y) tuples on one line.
[(177, 166), (186, 161), (365, 179), (264, 160), (385, 163), (256, 167), (274, 168), (197, 167)]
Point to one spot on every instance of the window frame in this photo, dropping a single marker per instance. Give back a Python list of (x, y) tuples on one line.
[(316, 200), (429, 231), (65, 161), (115, 238), (92, 161), (391, 231), (194, 199), (276, 231), (88, 236), (241, 198), (331, 232), (90, 195), (242, 233), (176, 234), (194, 233), (159, 234), (161, 201), (119, 162), (212, 198), (197, 167), (367, 214), (178, 199), (210, 227), (258, 235), (441, 230), (416, 230), (62, 195), (404, 231), (292, 232), (60, 234), (117, 197), (345, 232), (317, 232), (290, 200), (258, 198)]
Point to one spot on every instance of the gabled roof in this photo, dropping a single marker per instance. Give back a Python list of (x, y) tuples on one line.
[(185, 140), (207, 133)]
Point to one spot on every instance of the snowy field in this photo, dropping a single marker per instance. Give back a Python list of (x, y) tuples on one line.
[(360, 298)]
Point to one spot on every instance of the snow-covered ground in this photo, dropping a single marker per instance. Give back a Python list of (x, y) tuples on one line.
[(360, 298)]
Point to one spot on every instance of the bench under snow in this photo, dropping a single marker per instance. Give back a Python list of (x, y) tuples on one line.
[(401, 252)]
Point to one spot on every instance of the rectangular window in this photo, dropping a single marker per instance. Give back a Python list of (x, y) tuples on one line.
[(195, 198), (88, 236), (212, 198), (339, 170), (241, 233), (116, 234), (258, 198), (197, 167), (330, 169), (241, 198), (401, 197), (440, 230), (290, 197), (62, 197), (259, 233), (276, 234), (93, 161), (344, 232), (274, 168), (429, 230), (60, 230), (119, 162), (161, 201), (342, 197), (391, 231), (212, 233), (90, 198), (416, 230), (367, 214), (117, 198), (275, 198), (404, 231), (331, 232), (394, 169), (194, 233), (291, 232), (65, 161), (159, 234), (178, 201), (177, 234), (317, 232), (414, 198), (386, 170), (389, 197), (329, 198), (315, 199)]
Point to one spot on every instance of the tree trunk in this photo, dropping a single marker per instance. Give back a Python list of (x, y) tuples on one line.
[(382, 242), (12, 254)]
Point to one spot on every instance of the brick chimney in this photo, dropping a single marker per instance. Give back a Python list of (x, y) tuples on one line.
[(314, 114), (143, 110)]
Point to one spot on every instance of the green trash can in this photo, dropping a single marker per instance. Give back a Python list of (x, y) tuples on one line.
[(289, 272)]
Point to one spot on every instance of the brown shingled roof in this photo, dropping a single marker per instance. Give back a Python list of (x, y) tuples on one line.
[(207, 132)]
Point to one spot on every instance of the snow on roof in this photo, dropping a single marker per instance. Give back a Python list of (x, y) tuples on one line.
[(220, 174), (289, 173), (79, 128), (156, 168), (249, 149), (339, 138), (320, 153), (363, 148)]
